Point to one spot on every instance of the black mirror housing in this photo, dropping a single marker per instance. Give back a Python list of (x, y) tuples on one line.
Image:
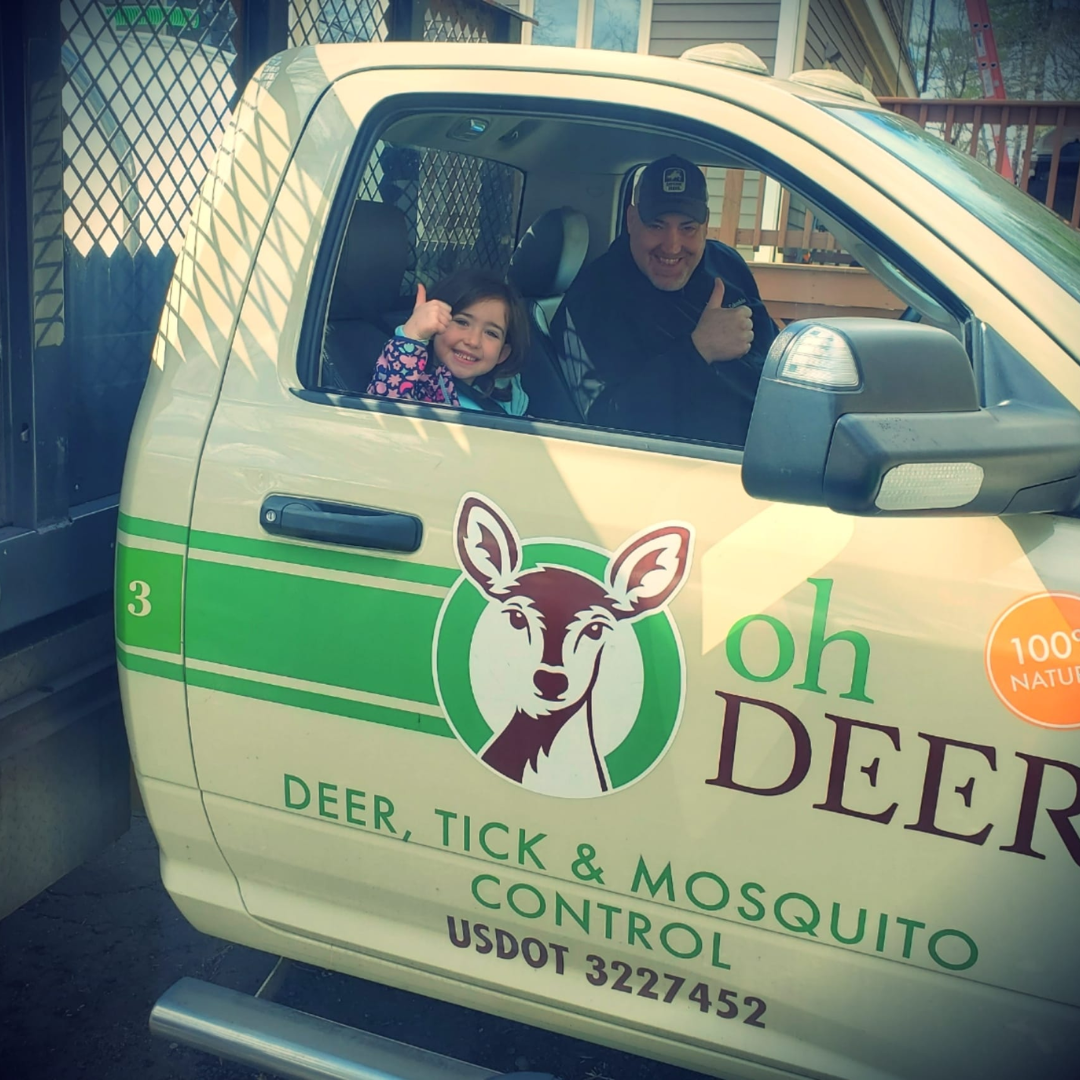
[(874, 416)]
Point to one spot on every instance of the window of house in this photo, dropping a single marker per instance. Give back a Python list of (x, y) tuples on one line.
[(619, 25)]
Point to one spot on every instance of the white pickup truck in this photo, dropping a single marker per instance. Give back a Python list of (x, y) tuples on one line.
[(814, 811)]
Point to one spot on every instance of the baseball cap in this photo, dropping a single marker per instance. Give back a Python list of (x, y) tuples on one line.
[(672, 185)]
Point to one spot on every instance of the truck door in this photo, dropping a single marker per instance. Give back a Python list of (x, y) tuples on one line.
[(744, 796)]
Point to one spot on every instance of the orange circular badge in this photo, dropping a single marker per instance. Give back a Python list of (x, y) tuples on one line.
[(1033, 659)]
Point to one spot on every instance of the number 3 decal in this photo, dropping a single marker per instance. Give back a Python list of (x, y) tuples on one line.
[(142, 605)]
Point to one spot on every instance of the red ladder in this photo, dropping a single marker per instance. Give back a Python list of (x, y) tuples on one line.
[(986, 56)]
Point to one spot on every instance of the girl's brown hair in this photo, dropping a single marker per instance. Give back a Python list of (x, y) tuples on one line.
[(469, 286)]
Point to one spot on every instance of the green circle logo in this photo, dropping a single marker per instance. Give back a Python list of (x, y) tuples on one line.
[(558, 664)]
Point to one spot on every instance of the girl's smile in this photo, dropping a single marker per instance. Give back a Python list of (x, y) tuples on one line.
[(475, 341)]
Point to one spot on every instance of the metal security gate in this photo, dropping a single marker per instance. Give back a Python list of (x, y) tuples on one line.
[(110, 115), (118, 109), (313, 22), (146, 94), (317, 21)]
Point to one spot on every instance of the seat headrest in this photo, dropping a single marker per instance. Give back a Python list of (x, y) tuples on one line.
[(374, 258), (550, 254)]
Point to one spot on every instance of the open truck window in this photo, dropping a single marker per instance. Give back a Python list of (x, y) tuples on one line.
[(540, 196)]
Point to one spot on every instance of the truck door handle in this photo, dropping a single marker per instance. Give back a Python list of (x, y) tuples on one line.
[(340, 523)]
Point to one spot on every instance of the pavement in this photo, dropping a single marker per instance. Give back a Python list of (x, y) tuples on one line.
[(83, 963)]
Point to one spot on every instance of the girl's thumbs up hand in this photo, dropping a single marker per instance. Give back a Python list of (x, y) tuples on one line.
[(428, 318)]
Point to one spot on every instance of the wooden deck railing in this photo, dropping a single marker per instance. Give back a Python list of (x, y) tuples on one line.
[(801, 240), (1051, 176), (801, 270), (1041, 154)]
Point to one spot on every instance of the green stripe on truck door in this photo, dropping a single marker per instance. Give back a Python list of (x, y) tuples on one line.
[(339, 634), (325, 703)]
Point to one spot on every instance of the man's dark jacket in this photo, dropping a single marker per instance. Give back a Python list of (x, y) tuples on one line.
[(625, 347)]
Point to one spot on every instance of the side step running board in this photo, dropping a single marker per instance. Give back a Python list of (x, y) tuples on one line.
[(293, 1044)]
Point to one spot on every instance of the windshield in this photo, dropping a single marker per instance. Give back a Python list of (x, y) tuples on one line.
[(1034, 231)]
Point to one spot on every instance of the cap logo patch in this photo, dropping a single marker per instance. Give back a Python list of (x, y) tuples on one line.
[(674, 181)]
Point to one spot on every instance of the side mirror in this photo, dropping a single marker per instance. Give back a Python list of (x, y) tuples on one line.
[(875, 416)]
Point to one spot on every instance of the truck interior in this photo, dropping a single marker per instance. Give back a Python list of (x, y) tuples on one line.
[(536, 195)]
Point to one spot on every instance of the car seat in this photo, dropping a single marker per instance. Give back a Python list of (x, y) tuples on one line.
[(367, 292), (543, 266)]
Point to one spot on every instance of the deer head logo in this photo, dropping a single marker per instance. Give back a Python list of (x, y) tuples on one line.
[(573, 677)]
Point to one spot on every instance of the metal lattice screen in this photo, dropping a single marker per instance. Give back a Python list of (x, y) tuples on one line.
[(462, 210), (312, 22), (145, 92), (145, 100), (449, 20)]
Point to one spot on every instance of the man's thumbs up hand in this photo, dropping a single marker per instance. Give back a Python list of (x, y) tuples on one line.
[(717, 298), (428, 318), (723, 333)]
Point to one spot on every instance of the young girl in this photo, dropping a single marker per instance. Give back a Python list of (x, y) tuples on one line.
[(477, 327)]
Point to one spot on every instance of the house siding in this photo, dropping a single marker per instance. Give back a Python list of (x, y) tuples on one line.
[(679, 25), (898, 12), (829, 28)]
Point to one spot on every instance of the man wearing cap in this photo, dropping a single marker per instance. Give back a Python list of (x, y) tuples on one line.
[(666, 333)]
